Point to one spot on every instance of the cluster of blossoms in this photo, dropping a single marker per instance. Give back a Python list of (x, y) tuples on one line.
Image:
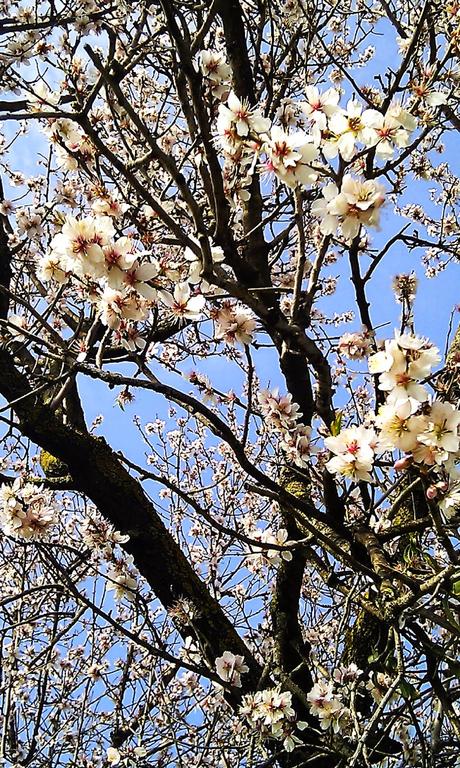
[(115, 757), (27, 510), (214, 67), (356, 346), (270, 713), (345, 128), (326, 699), (290, 157), (72, 147), (120, 281), (281, 415), (100, 536), (328, 707), (331, 131), (410, 420), (124, 284)]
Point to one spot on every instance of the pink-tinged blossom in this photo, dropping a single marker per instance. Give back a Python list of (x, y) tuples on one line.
[(354, 448), (138, 276), (403, 361), (326, 705), (279, 412), (297, 447), (234, 325), (358, 203), (116, 306), (347, 675), (118, 257), (230, 667), (51, 268), (108, 205), (271, 714), (214, 66), (182, 303), (237, 121), (290, 157), (357, 345), (320, 106), (387, 133), (26, 510), (79, 246), (130, 337)]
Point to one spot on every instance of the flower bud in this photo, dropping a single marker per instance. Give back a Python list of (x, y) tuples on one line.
[(401, 464)]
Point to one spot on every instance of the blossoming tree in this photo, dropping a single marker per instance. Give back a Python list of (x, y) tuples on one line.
[(254, 559)]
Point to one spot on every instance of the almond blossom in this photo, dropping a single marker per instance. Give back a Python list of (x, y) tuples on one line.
[(386, 134), (118, 256), (398, 427), (182, 303), (195, 265), (320, 106), (236, 121), (354, 448), (450, 502), (43, 99), (116, 306), (214, 66), (357, 203), (27, 510), (356, 345), (354, 125), (276, 556), (326, 705), (290, 155), (17, 323), (122, 577), (79, 245), (51, 267), (230, 667), (441, 431), (297, 446), (279, 412), (271, 714), (113, 756), (235, 325), (138, 276), (404, 360)]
